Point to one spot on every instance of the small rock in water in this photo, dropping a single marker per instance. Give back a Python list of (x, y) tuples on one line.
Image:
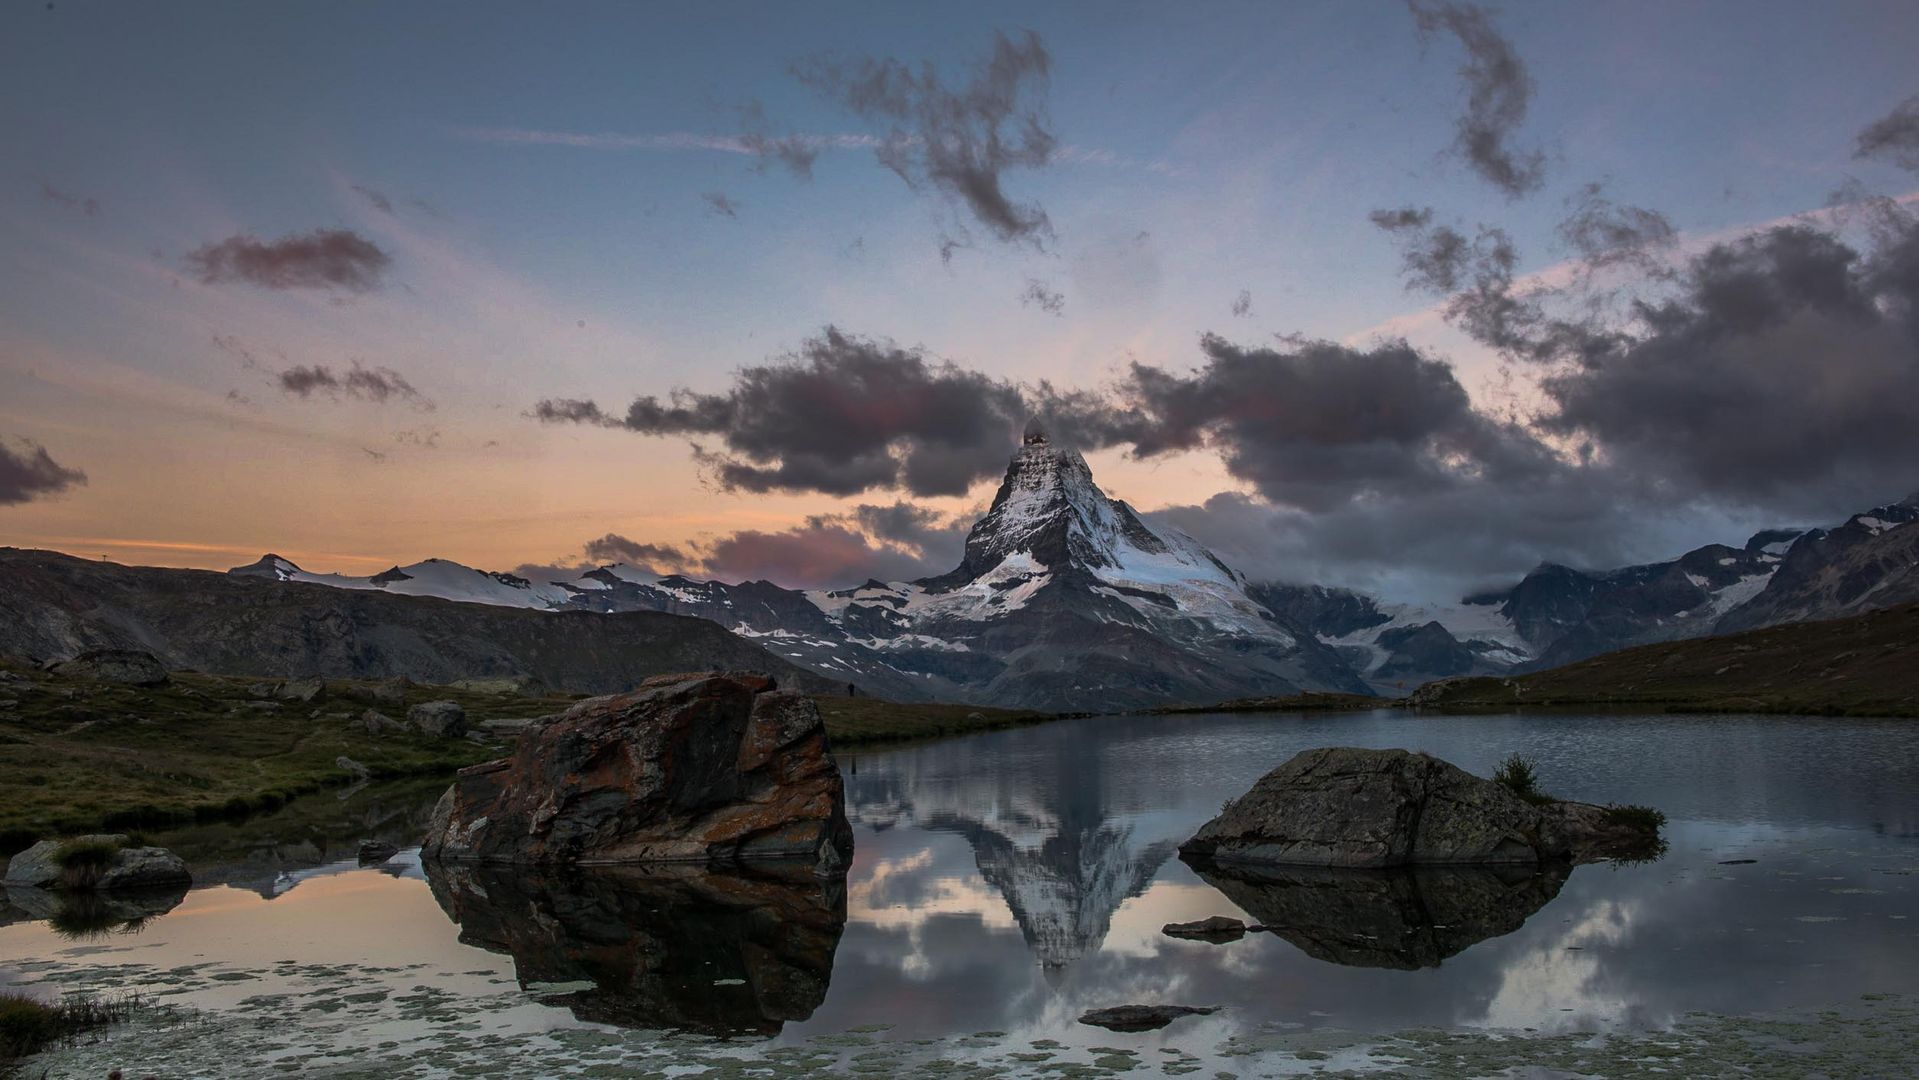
[(1217, 929), (357, 770), (1143, 1017), (1737, 862), (376, 851)]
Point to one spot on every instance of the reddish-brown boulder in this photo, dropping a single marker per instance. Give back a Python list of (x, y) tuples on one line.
[(688, 768)]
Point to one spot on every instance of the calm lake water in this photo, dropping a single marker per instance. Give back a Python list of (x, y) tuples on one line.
[(1004, 883)]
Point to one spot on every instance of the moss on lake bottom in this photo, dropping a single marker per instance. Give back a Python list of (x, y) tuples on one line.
[(345, 1021)]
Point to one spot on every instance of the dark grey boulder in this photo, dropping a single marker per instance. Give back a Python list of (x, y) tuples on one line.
[(390, 693), (443, 719), (1343, 806), (40, 866), (378, 724), (123, 667), (1142, 1017), (305, 691)]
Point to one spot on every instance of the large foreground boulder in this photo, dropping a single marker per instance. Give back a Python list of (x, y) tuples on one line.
[(122, 667), (689, 768), (1342, 806)]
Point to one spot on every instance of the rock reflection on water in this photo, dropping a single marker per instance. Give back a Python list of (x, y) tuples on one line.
[(1406, 918), (82, 916), (681, 947)]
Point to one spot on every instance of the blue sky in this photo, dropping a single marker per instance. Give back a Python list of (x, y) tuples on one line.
[(1204, 150)]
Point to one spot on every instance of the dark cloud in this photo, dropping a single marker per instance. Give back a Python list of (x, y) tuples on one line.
[(843, 415), (375, 199), (322, 259), (1315, 425), (27, 472), (1783, 374), (1043, 296), (1476, 274), (1498, 91), (1243, 304), (1603, 234), (957, 140), (893, 542), (613, 548), (571, 411), (83, 203), (795, 152), (376, 384), (419, 438), (1893, 137), (378, 457), (718, 203)]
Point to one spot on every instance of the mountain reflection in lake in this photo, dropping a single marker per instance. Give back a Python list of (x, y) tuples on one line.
[(1012, 880)]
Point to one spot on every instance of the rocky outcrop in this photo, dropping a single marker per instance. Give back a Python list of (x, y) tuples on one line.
[(680, 947), (689, 768), (99, 862), (124, 667), (1342, 806), (440, 719), (1407, 918)]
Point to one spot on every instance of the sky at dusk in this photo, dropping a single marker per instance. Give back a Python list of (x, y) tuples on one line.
[(1403, 297)]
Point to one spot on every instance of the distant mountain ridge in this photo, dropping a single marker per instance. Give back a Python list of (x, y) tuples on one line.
[(55, 606), (1065, 599), (1557, 614)]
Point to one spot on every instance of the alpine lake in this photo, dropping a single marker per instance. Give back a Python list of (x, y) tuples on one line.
[(1005, 883)]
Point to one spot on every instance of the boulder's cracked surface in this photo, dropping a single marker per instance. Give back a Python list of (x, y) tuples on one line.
[(1350, 807), (719, 768)]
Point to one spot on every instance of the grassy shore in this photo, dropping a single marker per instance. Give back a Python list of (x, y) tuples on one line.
[(1304, 702), (1866, 665), (855, 721), (77, 756)]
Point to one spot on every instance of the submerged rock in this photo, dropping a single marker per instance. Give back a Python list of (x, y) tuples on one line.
[(1217, 928), (442, 719), (689, 768), (1406, 918), (1143, 1017), (51, 864), (681, 947), (1342, 806), (124, 667), (376, 851)]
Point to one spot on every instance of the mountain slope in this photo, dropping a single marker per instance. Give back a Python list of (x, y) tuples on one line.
[(1065, 599), (1866, 665), (56, 605), (1871, 561)]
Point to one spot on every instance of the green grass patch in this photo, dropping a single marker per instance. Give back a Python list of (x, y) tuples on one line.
[(1643, 818), (79, 757), (1519, 774), (29, 1025), (854, 720)]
